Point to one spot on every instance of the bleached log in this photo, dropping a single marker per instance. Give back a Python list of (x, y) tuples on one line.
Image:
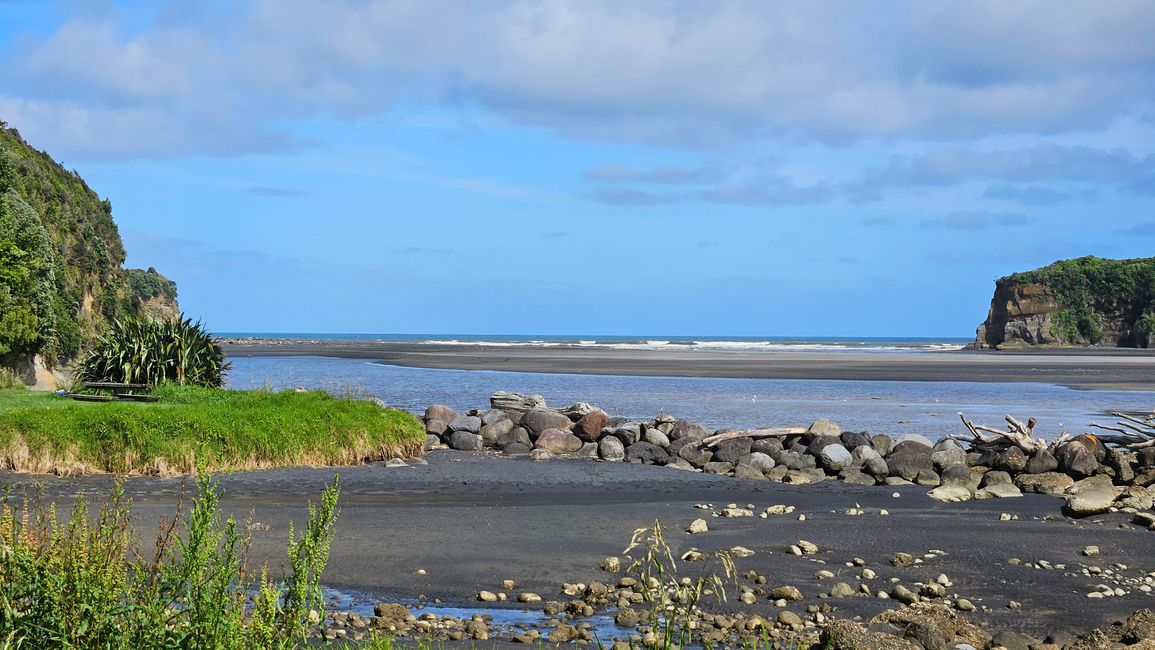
[(1133, 433), (710, 441), (1017, 434)]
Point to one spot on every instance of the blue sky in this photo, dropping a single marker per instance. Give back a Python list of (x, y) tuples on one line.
[(597, 167)]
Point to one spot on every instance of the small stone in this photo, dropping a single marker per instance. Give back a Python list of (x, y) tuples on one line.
[(902, 559), (1090, 551), (698, 526), (528, 597), (508, 584), (487, 596), (612, 564), (808, 548), (964, 605)]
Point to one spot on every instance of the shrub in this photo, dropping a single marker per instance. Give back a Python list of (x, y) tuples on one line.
[(86, 582), (140, 350)]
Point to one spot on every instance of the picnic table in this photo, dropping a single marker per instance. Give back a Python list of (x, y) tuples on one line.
[(120, 391)]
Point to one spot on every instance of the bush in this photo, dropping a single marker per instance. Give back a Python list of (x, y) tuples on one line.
[(88, 583), (140, 350)]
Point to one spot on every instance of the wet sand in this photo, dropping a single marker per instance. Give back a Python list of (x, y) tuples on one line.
[(1105, 369), (472, 520)]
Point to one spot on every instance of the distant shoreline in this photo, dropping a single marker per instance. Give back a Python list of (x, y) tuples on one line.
[(1079, 368)]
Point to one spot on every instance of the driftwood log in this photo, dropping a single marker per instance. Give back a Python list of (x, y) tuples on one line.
[(1129, 431), (713, 440), (1017, 434)]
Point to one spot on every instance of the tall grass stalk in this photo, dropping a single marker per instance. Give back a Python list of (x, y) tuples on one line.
[(85, 582), (673, 599)]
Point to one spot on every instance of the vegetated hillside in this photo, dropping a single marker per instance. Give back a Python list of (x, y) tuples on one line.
[(1080, 302), (61, 280)]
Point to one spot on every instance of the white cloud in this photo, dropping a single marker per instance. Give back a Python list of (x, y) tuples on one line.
[(667, 72)]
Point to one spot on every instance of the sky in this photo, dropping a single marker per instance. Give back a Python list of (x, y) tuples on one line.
[(597, 166)]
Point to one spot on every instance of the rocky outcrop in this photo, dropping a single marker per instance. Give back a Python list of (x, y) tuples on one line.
[(1081, 302)]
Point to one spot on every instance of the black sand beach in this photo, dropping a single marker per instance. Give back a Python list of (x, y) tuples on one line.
[(1106, 369), (471, 521)]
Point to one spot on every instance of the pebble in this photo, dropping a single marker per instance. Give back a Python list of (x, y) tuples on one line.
[(1090, 551), (528, 597), (612, 564), (487, 596), (698, 526)]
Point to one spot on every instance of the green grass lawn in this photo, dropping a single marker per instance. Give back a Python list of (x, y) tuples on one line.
[(191, 428)]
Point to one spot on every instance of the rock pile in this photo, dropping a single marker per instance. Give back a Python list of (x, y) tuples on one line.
[(1091, 477)]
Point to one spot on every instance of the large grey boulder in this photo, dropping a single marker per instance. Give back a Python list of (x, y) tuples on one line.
[(537, 421), (516, 401), (759, 461), (906, 463), (769, 446), (646, 453), (834, 457), (1042, 461), (557, 441), (822, 427), (1077, 460), (440, 412), (576, 410), (882, 444), (517, 435), (465, 441), (627, 432), (1090, 497), (695, 455), (688, 429), (916, 438), (610, 448), (656, 437), (730, 451), (1052, 483), (469, 423), (491, 433), (947, 457), (492, 416)]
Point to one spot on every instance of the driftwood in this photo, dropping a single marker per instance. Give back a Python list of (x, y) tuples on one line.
[(1017, 434), (710, 441), (1129, 431)]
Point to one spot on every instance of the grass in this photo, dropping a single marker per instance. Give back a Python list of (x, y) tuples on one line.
[(86, 582), (193, 428)]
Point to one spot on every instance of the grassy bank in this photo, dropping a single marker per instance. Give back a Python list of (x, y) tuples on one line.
[(190, 427)]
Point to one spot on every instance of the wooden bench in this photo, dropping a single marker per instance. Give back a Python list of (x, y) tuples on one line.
[(121, 391)]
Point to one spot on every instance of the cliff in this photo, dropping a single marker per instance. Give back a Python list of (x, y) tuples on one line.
[(1082, 302), (61, 257)]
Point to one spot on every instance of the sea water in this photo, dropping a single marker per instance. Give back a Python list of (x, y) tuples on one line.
[(895, 407)]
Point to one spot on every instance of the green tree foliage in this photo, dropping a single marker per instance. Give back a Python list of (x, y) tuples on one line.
[(139, 350), (1090, 288), (28, 283), (147, 284)]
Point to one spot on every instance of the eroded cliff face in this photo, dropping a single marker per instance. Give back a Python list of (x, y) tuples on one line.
[(1083, 302), (1020, 316)]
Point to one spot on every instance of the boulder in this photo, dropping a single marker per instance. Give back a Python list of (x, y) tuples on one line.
[(1011, 460), (516, 401), (610, 448), (916, 438), (1077, 460), (958, 475), (1052, 483), (999, 491), (848, 635), (516, 435), (882, 444), (695, 455), (558, 441), (1089, 497), (853, 476), (759, 461), (859, 455), (908, 463), (465, 441), (876, 467), (1042, 461), (492, 416), (928, 478), (440, 412), (539, 420), (589, 426), (944, 458), (491, 433), (577, 410), (431, 442), (730, 451), (822, 427), (516, 449), (853, 439), (934, 625), (1123, 463), (995, 477), (436, 427), (749, 472), (656, 437), (769, 446), (1093, 445), (718, 468), (688, 429), (1139, 498), (834, 457), (468, 423), (646, 453), (627, 432)]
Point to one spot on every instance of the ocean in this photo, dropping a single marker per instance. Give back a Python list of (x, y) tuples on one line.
[(894, 407)]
